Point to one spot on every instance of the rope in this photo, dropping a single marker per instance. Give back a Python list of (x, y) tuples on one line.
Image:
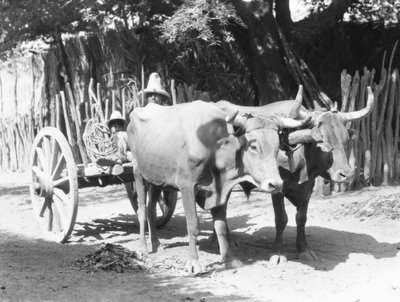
[(97, 139)]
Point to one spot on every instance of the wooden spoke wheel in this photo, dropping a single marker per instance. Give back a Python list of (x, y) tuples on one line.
[(54, 188), (165, 205)]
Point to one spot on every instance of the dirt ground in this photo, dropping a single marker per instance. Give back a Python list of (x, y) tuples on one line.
[(355, 234)]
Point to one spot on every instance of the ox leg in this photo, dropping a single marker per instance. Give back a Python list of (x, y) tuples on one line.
[(281, 220), (154, 195), (192, 223), (304, 252), (222, 233), (231, 238), (142, 211)]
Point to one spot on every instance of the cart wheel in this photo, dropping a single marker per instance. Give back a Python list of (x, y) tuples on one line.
[(54, 188), (166, 203)]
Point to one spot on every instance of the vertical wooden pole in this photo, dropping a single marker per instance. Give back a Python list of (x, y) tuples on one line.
[(74, 115), (113, 105), (123, 100), (173, 92), (66, 118), (375, 142), (345, 86), (99, 103), (1, 99), (388, 123), (142, 104), (58, 117), (397, 131), (106, 114), (53, 112)]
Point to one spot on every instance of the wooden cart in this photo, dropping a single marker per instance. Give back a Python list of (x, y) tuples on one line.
[(56, 179)]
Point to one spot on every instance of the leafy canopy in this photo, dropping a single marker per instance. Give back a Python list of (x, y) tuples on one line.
[(204, 20), (207, 21)]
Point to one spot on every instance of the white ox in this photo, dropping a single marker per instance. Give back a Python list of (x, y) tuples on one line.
[(187, 147)]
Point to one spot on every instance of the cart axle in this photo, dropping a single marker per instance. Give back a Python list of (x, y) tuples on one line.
[(44, 185)]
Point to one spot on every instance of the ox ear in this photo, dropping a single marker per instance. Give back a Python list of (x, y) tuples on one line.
[(237, 121), (225, 155), (317, 107), (305, 136)]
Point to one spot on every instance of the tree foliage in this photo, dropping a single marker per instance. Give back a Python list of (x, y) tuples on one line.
[(224, 46), (22, 20), (361, 11), (386, 11), (200, 20)]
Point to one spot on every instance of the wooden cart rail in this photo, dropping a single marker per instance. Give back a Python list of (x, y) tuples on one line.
[(94, 175)]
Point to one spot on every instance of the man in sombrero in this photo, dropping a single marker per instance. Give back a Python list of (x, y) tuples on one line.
[(153, 93)]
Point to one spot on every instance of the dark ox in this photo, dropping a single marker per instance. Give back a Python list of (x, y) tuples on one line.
[(188, 147), (326, 158)]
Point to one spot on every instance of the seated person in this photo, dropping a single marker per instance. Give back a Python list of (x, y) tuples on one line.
[(117, 125), (154, 93)]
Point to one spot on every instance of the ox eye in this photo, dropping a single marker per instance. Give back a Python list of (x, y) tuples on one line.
[(253, 148)]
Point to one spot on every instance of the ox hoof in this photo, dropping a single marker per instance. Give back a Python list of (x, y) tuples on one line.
[(155, 246), (142, 249), (278, 259), (308, 255), (233, 263), (194, 267)]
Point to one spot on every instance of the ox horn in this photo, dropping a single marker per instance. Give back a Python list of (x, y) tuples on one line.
[(291, 123), (294, 113), (356, 115)]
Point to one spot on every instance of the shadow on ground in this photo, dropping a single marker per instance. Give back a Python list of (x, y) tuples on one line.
[(332, 246), (46, 268), (18, 190)]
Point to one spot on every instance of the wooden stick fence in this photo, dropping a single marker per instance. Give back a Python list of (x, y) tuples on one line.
[(375, 151), (70, 116)]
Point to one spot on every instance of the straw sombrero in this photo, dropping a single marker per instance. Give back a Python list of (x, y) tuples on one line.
[(116, 116), (154, 86)]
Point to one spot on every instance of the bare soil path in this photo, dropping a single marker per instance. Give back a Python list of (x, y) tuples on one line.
[(356, 236)]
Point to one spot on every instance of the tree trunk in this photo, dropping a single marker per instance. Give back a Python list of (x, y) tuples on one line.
[(273, 80), (283, 17)]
